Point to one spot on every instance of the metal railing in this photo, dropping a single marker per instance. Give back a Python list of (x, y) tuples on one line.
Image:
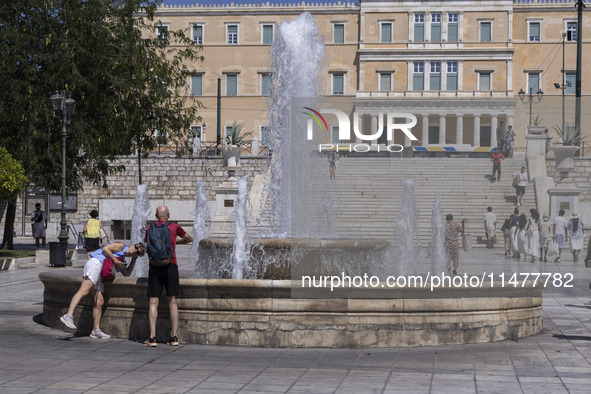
[(207, 149)]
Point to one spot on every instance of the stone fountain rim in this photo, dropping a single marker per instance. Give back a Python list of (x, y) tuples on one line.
[(304, 243)]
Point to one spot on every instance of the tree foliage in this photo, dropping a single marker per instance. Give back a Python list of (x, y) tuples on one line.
[(127, 82), (12, 175)]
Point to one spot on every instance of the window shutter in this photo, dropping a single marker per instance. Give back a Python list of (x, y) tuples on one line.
[(435, 32), (267, 34), (417, 81), (435, 81), (386, 32), (485, 31), (452, 32), (452, 81), (197, 85), (419, 32), (339, 34)]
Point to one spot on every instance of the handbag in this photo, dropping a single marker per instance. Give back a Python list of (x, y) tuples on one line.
[(515, 182), (553, 249)]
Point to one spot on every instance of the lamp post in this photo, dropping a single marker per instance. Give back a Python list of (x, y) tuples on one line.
[(562, 86), (65, 108), (531, 99)]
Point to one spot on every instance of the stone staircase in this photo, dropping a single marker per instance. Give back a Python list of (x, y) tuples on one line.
[(368, 191)]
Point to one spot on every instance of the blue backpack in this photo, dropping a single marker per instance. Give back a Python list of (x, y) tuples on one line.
[(158, 243)]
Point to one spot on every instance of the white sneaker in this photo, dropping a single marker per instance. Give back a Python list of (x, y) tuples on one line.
[(68, 321), (99, 334)]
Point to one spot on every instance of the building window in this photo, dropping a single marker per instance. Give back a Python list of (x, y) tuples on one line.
[(227, 131), (452, 27), (338, 83), (338, 30), (231, 84), (162, 33), (266, 84), (334, 135), (385, 31), (197, 85), (385, 81), (533, 82), (571, 31), (452, 76), (197, 132), (572, 79), (232, 32), (533, 34), (419, 28), (485, 31), (435, 76), (435, 27), (484, 80), (267, 34), (265, 133), (418, 76), (198, 34)]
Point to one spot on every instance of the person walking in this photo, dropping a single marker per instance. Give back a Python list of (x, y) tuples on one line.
[(509, 141), (560, 232), (576, 229), (452, 245), (93, 281), (332, 164), (533, 234), (520, 178), (506, 229), (39, 225), (490, 225), (92, 230), (161, 237), (521, 237), (496, 158), (514, 229), (501, 137), (545, 237)]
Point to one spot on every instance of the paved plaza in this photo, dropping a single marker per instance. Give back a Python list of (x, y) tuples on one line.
[(37, 358)]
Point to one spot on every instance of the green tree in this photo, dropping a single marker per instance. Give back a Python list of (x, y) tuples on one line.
[(12, 182), (126, 80)]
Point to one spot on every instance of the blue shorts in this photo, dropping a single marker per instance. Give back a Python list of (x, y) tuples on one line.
[(560, 240)]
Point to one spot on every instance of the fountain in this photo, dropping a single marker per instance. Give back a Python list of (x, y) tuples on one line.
[(438, 255), (279, 310), (200, 229), (141, 213)]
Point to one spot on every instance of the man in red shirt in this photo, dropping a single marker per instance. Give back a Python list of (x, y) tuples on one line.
[(496, 159), (166, 276)]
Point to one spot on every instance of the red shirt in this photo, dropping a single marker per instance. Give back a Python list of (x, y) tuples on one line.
[(175, 230), (497, 158)]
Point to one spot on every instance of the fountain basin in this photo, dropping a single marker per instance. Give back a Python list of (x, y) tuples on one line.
[(274, 258), (263, 313)]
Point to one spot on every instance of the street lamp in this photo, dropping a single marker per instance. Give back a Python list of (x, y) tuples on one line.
[(65, 108), (531, 99), (562, 86)]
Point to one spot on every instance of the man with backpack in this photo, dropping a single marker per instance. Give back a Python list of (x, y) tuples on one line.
[(161, 239)]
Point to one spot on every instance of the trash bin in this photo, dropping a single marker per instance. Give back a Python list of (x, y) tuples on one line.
[(57, 254)]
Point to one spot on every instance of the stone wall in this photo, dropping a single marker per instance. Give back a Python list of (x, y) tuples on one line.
[(581, 176), (169, 178)]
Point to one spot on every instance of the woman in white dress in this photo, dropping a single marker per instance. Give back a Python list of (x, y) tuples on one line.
[(533, 235), (575, 232), (520, 238)]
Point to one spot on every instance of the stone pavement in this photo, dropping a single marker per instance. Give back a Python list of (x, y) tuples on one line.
[(36, 358)]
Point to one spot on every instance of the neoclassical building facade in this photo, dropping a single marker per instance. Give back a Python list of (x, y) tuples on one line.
[(458, 66)]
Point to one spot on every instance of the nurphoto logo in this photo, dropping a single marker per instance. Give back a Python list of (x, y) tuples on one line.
[(344, 124)]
